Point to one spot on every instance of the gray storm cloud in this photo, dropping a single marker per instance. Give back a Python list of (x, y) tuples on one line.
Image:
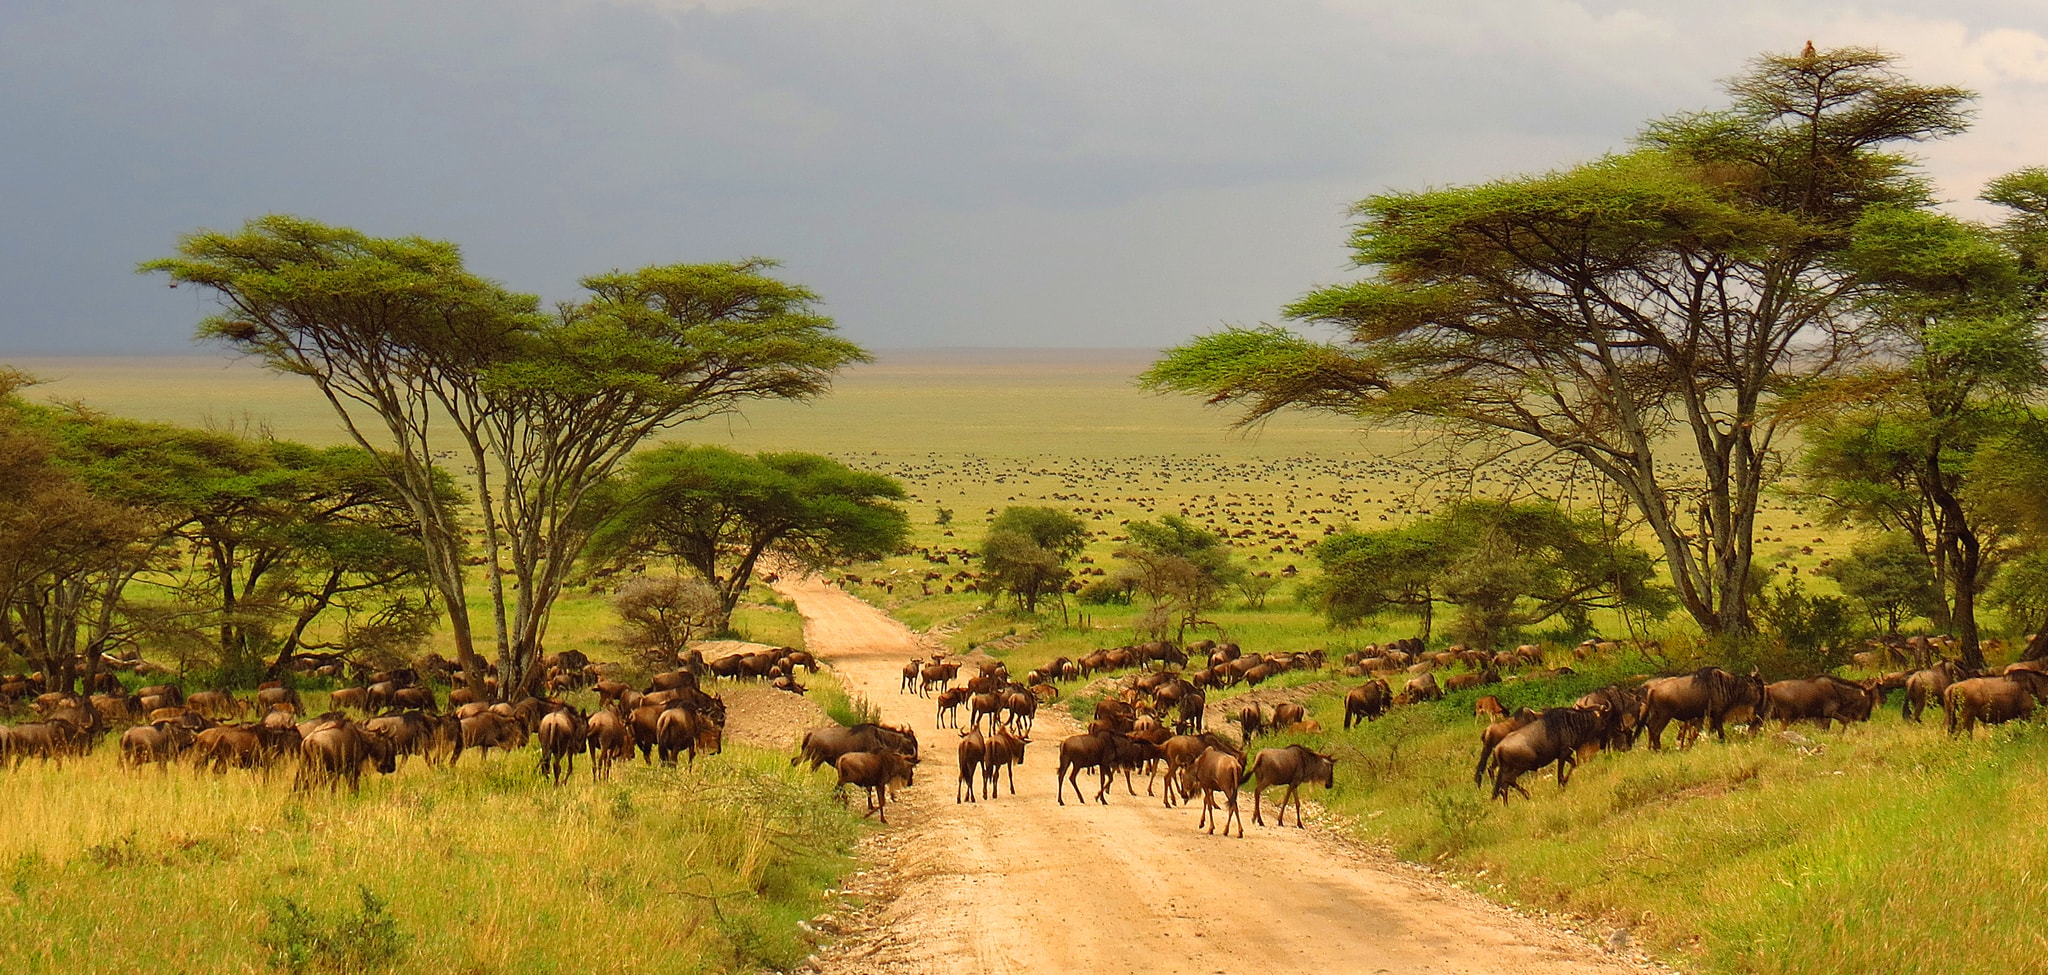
[(1058, 174)]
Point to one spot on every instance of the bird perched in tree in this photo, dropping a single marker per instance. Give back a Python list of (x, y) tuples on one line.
[(1808, 53)]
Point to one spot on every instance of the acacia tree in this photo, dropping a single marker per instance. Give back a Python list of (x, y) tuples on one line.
[(1027, 550), (1505, 565), (1642, 313), (1891, 444), (718, 512), (1181, 568), (397, 335)]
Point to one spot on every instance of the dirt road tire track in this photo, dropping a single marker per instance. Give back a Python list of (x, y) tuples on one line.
[(1021, 884)]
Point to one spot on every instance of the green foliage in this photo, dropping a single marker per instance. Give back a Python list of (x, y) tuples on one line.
[(300, 940), (2020, 592), (1890, 578), (1027, 550), (1181, 568), (1804, 634), (1621, 303), (717, 512), (943, 517), (1505, 565)]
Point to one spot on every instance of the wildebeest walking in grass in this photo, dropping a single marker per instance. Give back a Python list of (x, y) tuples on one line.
[(1557, 735), (1993, 700)]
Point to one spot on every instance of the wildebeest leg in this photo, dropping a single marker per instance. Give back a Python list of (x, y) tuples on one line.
[(1258, 799), (1208, 809), (1059, 779), (1231, 795), (1656, 728)]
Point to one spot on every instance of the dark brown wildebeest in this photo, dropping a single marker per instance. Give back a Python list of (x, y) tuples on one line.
[(876, 772), (1180, 751), (1463, 682), (1823, 700), (1625, 703), (349, 697), (988, 703), (1367, 702), (1216, 770), (950, 700), (679, 729), (1023, 708), (1004, 750), (338, 752), (1557, 735), (1251, 719), (1096, 750), (1497, 732), (1993, 700), (610, 739), (825, 745), (1292, 767), (1924, 686), (411, 732), (972, 747), (1116, 715), (1288, 715), (487, 731), (1708, 694), (157, 743), (938, 673), (910, 675), (1135, 751), (563, 734), (1422, 687), (415, 697), (225, 745)]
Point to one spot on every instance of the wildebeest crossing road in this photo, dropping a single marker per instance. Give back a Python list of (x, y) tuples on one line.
[(1022, 884)]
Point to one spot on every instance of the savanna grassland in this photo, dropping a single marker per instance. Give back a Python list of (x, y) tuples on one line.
[(1889, 847)]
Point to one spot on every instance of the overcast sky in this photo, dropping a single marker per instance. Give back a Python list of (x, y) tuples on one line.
[(946, 173)]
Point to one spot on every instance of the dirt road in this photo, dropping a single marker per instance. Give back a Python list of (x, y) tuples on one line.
[(1021, 884)]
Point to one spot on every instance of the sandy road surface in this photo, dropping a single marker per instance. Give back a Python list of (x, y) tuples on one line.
[(1021, 884)]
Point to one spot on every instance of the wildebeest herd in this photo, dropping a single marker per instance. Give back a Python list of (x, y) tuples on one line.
[(1152, 721), (387, 717)]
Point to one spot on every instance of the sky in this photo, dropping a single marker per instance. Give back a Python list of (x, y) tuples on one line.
[(951, 173)]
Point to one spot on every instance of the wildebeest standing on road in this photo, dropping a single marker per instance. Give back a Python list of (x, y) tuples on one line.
[(1216, 770), (1293, 767)]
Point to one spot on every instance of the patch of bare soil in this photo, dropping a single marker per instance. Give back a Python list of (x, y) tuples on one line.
[(1020, 884)]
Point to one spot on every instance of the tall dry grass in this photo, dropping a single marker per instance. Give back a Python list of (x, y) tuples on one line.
[(483, 868)]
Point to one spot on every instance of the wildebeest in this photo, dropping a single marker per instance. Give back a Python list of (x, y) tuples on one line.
[(1822, 700), (1096, 750), (972, 747), (1251, 720), (1367, 702), (1003, 750), (950, 700), (1292, 767), (1993, 700), (487, 731), (825, 745), (1216, 770), (876, 772), (1557, 735), (1287, 715), (678, 730), (1023, 708), (1923, 686), (563, 734), (1495, 733), (610, 739), (1709, 694), (338, 752), (1420, 688), (1180, 751), (910, 674), (159, 743)]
